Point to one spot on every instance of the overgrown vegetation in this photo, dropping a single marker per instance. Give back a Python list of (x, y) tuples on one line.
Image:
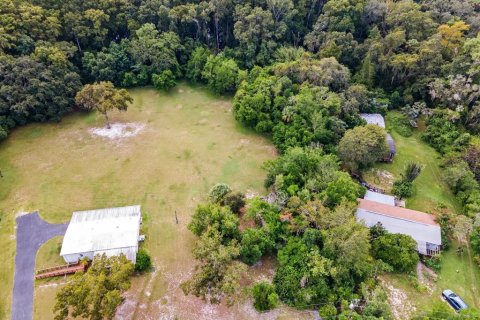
[(96, 294), (403, 188), (301, 71), (143, 262)]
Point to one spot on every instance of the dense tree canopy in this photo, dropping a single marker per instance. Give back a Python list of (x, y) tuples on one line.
[(300, 71), (363, 146), (96, 294)]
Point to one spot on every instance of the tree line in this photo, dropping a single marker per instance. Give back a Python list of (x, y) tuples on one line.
[(301, 72)]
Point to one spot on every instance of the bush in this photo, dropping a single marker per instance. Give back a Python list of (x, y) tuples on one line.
[(327, 311), (164, 80), (235, 201), (221, 73), (402, 189), (219, 191), (143, 262), (400, 124), (264, 296), (434, 263), (397, 250), (255, 243), (214, 216)]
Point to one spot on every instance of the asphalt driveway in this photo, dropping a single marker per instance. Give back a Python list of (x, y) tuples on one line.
[(32, 232)]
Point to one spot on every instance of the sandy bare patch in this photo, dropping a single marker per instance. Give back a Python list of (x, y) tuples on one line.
[(401, 307), (50, 285), (21, 213), (118, 131), (426, 277), (250, 194)]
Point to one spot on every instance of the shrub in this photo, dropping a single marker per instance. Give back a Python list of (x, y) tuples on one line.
[(235, 201), (219, 191), (264, 296), (221, 73), (255, 243), (327, 311), (400, 124), (214, 216), (144, 262), (402, 189), (434, 263), (164, 80), (397, 250)]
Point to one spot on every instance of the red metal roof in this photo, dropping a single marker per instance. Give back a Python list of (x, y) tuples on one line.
[(397, 212)]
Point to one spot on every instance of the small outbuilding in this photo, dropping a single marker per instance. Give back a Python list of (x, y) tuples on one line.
[(373, 118), (379, 197), (377, 119), (421, 226), (110, 231)]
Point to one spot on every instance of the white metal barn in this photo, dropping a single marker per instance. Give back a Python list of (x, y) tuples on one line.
[(419, 225), (111, 231), (379, 197), (373, 118)]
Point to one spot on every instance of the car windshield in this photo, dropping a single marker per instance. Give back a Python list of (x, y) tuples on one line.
[(453, 295)]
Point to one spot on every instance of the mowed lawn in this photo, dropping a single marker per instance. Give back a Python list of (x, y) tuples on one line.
[(458, 273), (430, 189), (189, 142)]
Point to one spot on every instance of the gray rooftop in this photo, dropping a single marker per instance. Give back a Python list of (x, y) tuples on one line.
[(373, 118), (102, 229), (380, 197)]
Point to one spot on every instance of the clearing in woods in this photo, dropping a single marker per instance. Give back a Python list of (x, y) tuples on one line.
[(459, 272), (164, 153)]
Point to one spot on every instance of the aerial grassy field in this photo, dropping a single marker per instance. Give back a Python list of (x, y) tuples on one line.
[(458, 273), (178, 146)]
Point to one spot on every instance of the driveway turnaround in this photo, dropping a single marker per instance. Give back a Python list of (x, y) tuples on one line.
[(32, 232)]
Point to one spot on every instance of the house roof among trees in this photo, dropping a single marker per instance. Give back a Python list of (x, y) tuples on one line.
[(380, 197), (391, 143), (397, 212), (419, 225), (373, 118)]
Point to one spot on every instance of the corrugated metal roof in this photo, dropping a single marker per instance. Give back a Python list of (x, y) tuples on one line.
[(397, 212), (373, 118), (391, 143), (102, 229), (380, 197), (419, 231), (130, 253)]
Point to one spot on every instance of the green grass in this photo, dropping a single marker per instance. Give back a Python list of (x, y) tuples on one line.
[(44, 291), (49, 254), (458, 273), (189, 143), (430, 191)]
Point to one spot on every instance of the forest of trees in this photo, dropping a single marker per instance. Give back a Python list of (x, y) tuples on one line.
[(301, 71)]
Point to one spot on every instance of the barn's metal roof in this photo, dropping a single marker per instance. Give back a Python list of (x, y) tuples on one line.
[(373, 118), (380, 197), (102, 230), (419, 225), (391, 143)]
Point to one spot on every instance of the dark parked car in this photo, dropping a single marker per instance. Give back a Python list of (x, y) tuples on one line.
[(455, 301)]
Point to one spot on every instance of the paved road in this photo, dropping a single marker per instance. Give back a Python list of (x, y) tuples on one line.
[(32, 232)]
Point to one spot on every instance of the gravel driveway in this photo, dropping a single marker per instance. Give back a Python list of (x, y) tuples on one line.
[(32, 232)]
